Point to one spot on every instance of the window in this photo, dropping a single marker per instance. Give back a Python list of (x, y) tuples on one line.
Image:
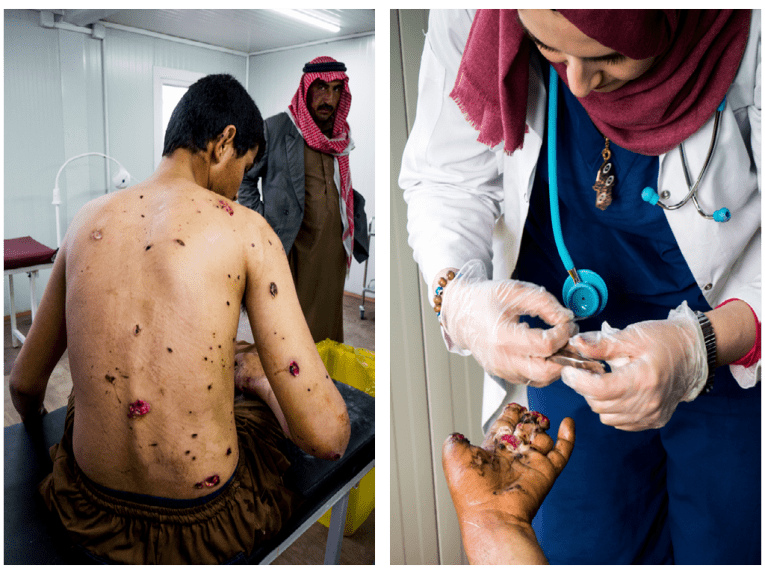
[(169, 87)]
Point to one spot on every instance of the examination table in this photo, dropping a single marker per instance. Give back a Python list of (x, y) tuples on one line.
[(34, 536)]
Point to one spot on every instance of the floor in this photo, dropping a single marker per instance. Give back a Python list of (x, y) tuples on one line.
[(359, 548)]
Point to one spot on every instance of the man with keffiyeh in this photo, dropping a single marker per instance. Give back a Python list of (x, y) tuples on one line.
[(307, 195)]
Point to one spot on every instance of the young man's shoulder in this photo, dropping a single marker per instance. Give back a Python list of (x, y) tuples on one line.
[(256, 228)]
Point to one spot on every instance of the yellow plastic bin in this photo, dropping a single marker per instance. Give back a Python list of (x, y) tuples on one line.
[(354, 367)]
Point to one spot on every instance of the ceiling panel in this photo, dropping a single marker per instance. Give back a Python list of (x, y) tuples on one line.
[(241, 30)]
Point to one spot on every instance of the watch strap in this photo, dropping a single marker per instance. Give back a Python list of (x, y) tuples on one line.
[(710, 342)]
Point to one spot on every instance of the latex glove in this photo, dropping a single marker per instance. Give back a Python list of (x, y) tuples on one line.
[(655, 365), (482, 316)]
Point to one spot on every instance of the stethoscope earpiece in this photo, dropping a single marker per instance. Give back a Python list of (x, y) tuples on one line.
[(649, 195), (722, 215)]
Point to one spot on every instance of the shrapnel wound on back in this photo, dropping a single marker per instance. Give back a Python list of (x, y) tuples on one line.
[(138, 409)]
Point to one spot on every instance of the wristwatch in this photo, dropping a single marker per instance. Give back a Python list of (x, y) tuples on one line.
[(710, 342)]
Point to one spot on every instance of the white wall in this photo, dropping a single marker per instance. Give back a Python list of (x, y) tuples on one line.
[(274, 79), (432, 392)]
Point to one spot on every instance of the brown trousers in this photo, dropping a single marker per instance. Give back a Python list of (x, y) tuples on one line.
[(249, 509)]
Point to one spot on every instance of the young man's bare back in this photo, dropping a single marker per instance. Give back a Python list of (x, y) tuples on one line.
[(146, 294)]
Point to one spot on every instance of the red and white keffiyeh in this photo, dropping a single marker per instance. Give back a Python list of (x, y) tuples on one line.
[(339, 145)]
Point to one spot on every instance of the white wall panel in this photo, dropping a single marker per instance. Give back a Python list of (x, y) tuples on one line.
[(34, 134), (130, 62), (274, 79), (413, 536), (433, 392)]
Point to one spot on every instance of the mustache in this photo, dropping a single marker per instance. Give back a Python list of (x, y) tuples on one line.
[(326, 107)]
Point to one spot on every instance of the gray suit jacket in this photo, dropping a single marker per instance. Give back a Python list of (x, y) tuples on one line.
[(282, 169)]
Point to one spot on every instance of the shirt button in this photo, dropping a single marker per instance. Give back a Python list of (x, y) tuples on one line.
[(286, 212), (707, 287)]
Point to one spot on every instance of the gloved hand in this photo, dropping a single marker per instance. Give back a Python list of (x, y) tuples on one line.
[(655, 365), (481, 316)]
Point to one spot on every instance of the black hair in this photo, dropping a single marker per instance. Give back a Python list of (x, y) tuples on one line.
[(207, 107)]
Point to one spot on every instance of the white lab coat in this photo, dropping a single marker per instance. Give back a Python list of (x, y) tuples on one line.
[(457, 189)]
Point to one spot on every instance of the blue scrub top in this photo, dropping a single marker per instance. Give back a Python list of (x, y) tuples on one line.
[(630, 244), (634, 497)]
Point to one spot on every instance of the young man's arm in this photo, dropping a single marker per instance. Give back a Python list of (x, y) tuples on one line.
[(43, 347), (313, 407)]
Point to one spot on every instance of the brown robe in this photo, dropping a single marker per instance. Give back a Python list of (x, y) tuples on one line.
[(317, 258)]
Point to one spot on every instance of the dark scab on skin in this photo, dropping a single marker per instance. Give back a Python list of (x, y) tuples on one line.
[(137, 329), (272, 289), (181, 243), (228, 452), (109, 379), (294, 369), (148, 247), (194, 435), (169, 350)]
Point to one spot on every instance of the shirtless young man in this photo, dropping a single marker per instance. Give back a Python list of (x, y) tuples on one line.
[(145, 293), (497, 488)]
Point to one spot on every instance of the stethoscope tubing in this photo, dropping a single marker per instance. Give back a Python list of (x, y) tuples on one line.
[(552, 163), (694, 187)]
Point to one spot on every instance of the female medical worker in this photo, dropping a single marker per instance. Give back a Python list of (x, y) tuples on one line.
[(666, 466)]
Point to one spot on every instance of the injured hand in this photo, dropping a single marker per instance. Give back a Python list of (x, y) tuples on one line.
[(497, 488), (249, 376)]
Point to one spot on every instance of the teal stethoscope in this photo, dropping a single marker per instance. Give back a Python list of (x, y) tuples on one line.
[(584, 291)]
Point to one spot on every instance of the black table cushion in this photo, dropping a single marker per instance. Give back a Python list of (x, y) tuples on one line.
[(34, 536)]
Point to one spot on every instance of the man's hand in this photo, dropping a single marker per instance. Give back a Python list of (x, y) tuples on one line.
[(655, 365), (249, 376), (498, 488), (482, 316)]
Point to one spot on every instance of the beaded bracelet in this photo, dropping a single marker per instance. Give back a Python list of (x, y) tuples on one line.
[(442, 281)]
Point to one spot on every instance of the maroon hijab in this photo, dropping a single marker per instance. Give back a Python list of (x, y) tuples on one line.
[(698, 51)]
